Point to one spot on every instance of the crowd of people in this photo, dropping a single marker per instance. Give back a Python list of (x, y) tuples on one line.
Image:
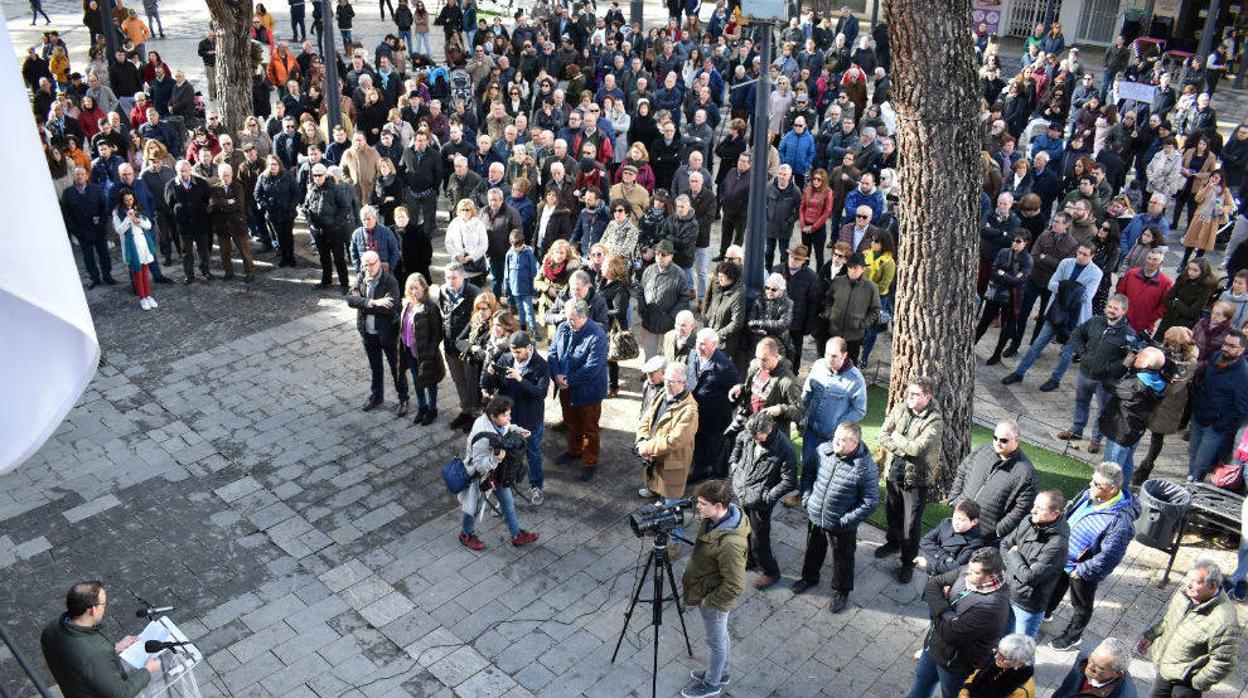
[(586, 164)]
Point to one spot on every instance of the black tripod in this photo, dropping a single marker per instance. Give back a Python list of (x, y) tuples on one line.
[(660, 562)]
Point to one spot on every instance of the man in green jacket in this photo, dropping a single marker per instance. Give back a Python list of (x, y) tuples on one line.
[(715, 578), (84, 662), (1195, 644)]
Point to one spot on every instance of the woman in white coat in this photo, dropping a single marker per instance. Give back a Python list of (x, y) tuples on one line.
[(467, 242)]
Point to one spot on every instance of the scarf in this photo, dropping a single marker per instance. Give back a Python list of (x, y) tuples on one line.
[(553, 272), (993, 681)]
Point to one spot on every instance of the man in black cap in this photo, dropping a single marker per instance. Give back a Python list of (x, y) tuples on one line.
[(853, 305), (664, 293), (524, 376)]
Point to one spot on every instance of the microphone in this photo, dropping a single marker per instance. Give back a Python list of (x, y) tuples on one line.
[(151, 611), (154, 646)]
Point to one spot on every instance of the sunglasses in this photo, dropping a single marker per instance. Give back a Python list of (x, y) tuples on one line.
[(862, 217), (1000, 440), (772, 288), (620, 210)]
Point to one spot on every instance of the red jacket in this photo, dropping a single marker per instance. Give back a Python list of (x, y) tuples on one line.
[(1146, 296), (815, 209)]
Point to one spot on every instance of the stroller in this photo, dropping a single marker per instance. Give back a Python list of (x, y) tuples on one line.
[(461, 86)]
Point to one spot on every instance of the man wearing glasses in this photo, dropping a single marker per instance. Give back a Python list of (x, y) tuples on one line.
[(82, 660), (1102, 524), (859, 232), (375, 297), (1001, 478)]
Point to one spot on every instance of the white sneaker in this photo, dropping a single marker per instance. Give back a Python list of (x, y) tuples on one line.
[(143, 304), (151, 302)]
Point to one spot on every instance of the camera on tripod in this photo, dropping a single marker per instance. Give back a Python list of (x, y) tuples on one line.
[(659, 518)]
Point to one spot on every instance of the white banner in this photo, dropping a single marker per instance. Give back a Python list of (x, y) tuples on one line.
[(1139, 91), (48, 347)]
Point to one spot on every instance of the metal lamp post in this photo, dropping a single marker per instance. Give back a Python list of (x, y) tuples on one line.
[(333, 95)]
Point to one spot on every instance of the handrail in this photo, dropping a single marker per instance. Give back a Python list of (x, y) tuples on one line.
[(21, 661)]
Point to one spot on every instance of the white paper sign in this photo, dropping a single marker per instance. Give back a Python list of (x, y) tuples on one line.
[(1137, 91)]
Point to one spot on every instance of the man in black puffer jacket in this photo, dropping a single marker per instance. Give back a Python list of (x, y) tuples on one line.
[(1035, 554), (1001, 479), (970, 609), (330, 211), (764, 469)]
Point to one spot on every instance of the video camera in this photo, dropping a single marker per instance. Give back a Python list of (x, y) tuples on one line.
[(657, 518)]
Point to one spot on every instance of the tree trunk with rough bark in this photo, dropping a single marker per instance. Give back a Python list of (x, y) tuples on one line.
[(938, 142), (232, 23)]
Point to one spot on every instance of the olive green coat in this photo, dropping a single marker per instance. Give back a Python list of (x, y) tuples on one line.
[(1198, 645), (715, 575)]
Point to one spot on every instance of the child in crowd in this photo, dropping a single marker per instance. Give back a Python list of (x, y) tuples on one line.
[(519, 272), (949, 545)]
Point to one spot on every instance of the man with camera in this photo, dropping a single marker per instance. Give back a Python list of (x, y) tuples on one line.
[(82, 660), (847, 490), (523, 375), (665, 435), (714, 579)]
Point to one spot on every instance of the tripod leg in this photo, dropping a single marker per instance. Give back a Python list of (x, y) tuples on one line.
[(632, 606), (660, 562), (680, 609)]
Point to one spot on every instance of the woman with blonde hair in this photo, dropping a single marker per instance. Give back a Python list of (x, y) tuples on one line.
[(467, 242), (420, 341), (1180, 348), (552, 279)]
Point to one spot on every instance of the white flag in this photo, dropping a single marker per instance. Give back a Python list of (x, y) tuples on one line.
[(48, 348)]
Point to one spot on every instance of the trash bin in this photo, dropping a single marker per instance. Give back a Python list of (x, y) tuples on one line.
[(1163, 505)]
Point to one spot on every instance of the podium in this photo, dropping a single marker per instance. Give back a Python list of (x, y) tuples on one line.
[(176, 678)]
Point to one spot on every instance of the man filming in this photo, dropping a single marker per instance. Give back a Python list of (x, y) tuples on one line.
[(714, 578), (83, 661)]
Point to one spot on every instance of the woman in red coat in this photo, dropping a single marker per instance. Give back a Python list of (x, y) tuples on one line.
[(813, 213)]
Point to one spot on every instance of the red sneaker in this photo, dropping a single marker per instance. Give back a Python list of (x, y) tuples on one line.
[(524, 538), (471, 541)]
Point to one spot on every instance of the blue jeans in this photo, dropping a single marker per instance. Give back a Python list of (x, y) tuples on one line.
[(701, 263), (422, 44), (1063, 362), (1085, 388), (508, 504), (1241, 570), (346, 35), (524, 312), (718, 644), (259, 227), (1031, 293), (1046, 335), (406, 36), (810, 460), (1124, 456), (927, 675), (1202, 449), (1025, 622), (533, 449), (496, 276)]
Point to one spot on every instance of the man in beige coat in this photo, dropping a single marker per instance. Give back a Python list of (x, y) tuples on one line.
[(359, 166), (665, 436)]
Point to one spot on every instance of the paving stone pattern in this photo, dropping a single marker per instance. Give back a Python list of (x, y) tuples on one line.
[(218, 462)]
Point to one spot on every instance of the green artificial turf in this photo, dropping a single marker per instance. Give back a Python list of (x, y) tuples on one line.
[(1067, 474)]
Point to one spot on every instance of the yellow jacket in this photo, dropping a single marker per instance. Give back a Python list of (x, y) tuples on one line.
[(881, 268)]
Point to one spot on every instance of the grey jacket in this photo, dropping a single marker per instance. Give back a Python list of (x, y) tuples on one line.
[(846, 491), (664, 293)]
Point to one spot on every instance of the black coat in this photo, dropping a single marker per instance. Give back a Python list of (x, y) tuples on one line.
[(761, 477), (456, 314), (189, 205), (1131, 405), (528, 394), (1102, 347), (709, 384), (277, 197), (1033, 569), (84, 212), (804, 290), (964, 634), (386, 320), (947, 550), (330, 208), (1004, 489)]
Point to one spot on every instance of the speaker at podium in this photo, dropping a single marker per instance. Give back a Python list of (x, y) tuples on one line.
[(177, 662)]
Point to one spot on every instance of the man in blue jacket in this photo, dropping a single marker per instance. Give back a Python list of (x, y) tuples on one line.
[(578, 367), (82, 207), (797, 150), (1052, 144), (524, 376), (374, 236), (1219, 406), (1102, 524), (834, 392), (845, 493)]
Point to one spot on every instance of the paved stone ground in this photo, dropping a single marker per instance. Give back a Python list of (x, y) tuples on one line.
[(218, 463)]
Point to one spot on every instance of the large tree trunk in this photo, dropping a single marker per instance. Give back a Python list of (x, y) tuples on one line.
[(937, 108), (231, 20)]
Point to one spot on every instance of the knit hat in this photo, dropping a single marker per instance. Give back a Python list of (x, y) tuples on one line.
[(665, 247)]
